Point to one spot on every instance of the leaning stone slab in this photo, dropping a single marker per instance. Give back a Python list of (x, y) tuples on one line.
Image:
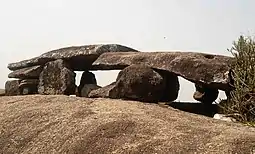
[(57, 79), (87, 88), (212, 70), (103, 92), (12, 88), (80, 57), (27, 73)]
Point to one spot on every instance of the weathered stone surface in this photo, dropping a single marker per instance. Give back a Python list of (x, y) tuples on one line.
[(139, 82), (103, 92), (211, 70), (205, 94), (57, 79), (29, 86), (73, 125), (12, 88), (86, 78), (2, 92), (27, 73), (80, 57), (87, 88)]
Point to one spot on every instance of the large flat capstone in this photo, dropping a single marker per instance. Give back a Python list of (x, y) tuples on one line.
[(212, 70), (79, 57)]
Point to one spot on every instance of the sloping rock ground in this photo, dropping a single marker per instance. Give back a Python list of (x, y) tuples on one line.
[(62, 124)]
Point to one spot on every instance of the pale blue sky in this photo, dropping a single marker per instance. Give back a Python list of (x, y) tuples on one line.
[(31, 27)]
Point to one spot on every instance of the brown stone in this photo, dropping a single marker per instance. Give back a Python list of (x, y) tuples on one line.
[(57, 79), (12, 88), (211, 70)]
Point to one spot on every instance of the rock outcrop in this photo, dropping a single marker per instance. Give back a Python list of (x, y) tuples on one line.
[(57, 78), (62, 124), (80, 58), (211, 70), (12, 88)]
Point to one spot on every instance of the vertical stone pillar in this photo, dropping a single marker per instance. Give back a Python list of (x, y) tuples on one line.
[(57, 79)]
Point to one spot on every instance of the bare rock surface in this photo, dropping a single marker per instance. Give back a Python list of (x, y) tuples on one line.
[(212, 70), (80, 57), (27, 73), (57, 79), (62, 124)]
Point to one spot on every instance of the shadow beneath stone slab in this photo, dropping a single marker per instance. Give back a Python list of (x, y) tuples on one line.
[(197, 108)]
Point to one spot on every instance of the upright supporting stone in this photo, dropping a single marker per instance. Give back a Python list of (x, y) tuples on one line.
[(205, 94), (88, 82), (57, 79), (12, 88), (172, 86), (29, 86)]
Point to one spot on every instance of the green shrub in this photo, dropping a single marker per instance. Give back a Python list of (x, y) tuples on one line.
[(241, 104)]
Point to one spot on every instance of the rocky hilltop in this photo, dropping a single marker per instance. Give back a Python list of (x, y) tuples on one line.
[(65, 124)]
